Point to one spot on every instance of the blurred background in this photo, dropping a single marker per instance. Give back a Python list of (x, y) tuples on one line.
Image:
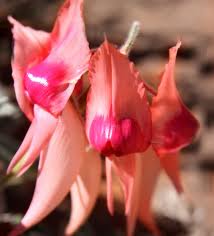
[(163, 22)]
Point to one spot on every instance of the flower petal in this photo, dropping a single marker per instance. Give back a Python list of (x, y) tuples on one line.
[(46, 86), (84, 191), (116, 102), (170, 164), (63, 158), (138, 174), (150, 168), (30, 47), (109, 197), (173, 124), (99, 98), (132, 210), (125, 169), (55, 64), (23, 148), (51, 82), (36, 139), (128, 170), (69, 43)]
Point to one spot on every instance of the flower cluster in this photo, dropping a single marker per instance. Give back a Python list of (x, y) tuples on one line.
[(137, 136)]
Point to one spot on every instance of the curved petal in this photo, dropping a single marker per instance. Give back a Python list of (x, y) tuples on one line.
[(170, 164), (22, 149), (84, 191), (36, 139), (138, 175), (51, 82), (99, 97), (109, 197), (69, 43), (173, 124), (125, 169), (117, 107), (30, 47), (132, 209), (128, 170), (61, 165), (150, 168)]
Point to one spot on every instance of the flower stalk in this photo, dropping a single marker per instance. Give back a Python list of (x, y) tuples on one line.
[(131, 38)]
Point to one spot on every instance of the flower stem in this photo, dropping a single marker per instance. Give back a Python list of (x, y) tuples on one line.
[(131, 38), (127, 46)]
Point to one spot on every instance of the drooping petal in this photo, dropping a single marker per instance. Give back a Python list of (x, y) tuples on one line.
[(170, 164), (37, 137), (109, 197), (150, 169), (118, 117), (138, 174), (22, 149), (151, 166), (173, 124), (124, 168), (132, 209), (30, 47), (61, 165), (84, 191), (128, 169)]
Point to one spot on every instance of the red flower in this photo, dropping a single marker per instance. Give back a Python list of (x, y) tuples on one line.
[(173, 126), (118, 118), (122, 125)]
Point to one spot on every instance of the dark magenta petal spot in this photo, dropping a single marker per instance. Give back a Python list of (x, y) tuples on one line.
[(177, 133), (44, 85), (118, 137)]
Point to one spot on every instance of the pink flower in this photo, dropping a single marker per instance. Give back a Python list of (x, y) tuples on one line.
[(46, 67), (120, 123), (131, 133)]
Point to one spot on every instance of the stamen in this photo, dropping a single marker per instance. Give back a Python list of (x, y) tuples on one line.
[(131, 38)]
